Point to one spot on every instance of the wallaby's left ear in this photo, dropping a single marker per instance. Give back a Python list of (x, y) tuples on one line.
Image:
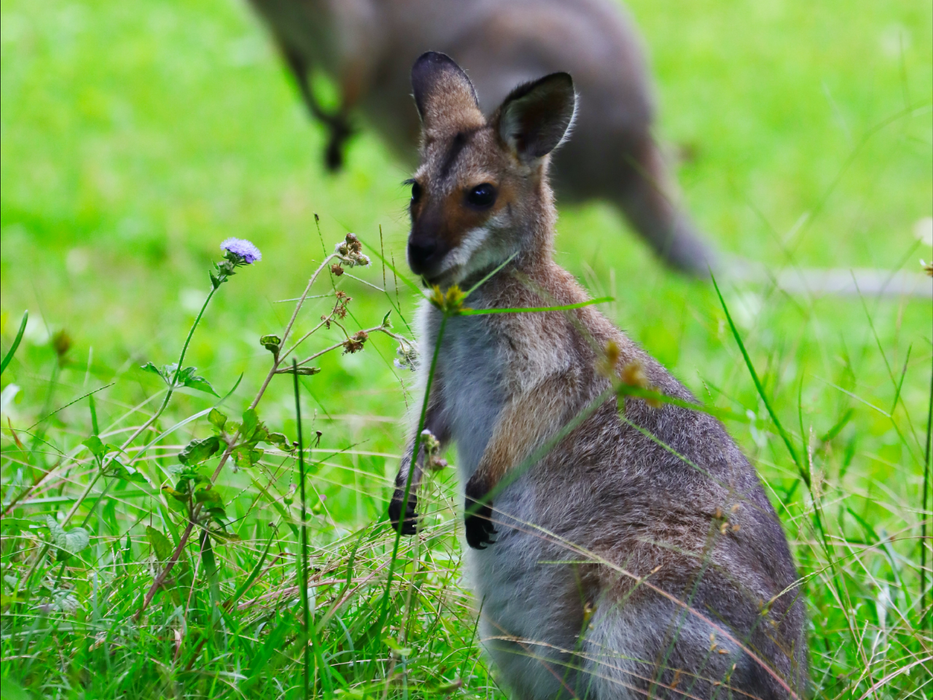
[(537, 116), (444, 94)]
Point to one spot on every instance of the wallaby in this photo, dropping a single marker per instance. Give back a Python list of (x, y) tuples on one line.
[(638, 555), (368, 46)]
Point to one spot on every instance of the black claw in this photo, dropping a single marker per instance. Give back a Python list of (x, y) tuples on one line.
[(478, 520), (479, 527), (408, 524)]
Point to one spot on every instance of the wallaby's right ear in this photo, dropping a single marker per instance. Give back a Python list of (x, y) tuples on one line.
[(444, 94), (536, 117)]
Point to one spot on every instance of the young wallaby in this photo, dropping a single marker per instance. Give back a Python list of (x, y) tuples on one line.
[(368, 46), (618, 549)]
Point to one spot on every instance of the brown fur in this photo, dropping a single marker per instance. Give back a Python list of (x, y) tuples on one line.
[(621, 548), (368, 46)]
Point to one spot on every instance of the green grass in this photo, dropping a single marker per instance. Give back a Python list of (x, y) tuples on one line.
[(137, 136)]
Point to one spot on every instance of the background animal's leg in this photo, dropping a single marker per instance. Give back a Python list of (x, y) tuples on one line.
[(649, 199), (337, 124), (526, 423)]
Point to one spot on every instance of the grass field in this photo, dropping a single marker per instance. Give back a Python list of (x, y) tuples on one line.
[(138, 136)]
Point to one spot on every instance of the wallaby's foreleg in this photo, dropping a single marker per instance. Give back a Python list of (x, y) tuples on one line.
[(650, 200), (526, 424), (402, 513), (337, 123)]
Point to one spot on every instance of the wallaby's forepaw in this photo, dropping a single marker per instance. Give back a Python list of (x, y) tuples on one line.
[(408, 524), (478, 520)]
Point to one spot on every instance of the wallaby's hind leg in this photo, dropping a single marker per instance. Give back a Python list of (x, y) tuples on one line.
[(654, 648), (649, 198)]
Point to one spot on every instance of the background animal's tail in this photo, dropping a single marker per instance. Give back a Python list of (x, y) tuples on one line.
[(650, 200)]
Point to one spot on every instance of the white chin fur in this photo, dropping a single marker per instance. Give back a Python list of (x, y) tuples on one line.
[(474, 253)]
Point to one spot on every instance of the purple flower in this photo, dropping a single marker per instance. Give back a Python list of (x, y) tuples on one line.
[(243, 249)]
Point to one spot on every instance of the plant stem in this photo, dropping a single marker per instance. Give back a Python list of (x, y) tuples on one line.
[(375, 329), (926, 614), (303, 545), (411, 470), (183, 541), (141, 429)]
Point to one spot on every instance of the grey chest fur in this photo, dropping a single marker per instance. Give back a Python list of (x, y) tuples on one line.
[(470, 381)]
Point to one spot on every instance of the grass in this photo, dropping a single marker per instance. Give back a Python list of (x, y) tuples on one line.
[(138, 136)]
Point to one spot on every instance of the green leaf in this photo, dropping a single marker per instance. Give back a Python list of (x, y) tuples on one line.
[(246, 456), (188, 378), (217, 419), (116, 469), (218, 514), (253, 431), (208, 496), (201, 384), (11, 690), (152, 369), (210, 565), (251, 424), (160, 544), (96, 446), (67, 543), (93, 408), (16, 342), (279, 440), (179, 496), (198, 451)]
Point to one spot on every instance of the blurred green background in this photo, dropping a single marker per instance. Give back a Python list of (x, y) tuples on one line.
[(136, 136)]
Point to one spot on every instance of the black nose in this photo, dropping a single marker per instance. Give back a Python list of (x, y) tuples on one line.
[(420, 252)]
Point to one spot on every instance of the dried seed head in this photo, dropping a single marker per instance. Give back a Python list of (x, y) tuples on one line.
[(432, 448), (633, 374), (350, 252), (607, 364), (354, 343)]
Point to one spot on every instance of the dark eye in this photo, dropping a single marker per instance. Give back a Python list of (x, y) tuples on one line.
[(415, 193), (482, 196)]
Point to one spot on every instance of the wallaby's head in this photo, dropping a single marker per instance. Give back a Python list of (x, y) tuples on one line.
[(481, 192)]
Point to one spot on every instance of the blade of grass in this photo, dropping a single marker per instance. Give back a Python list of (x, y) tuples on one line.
[(303, 545), (310, 633), (926, 613), (16, 341), (804, 471), (536, 309)]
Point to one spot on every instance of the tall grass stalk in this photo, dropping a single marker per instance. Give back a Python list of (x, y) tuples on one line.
[(303, 545), (926, 609)]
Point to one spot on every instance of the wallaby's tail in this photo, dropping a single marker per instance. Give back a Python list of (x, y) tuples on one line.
[(650, 200)]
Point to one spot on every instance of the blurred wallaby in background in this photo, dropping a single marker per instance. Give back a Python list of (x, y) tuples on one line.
[(368, 46)]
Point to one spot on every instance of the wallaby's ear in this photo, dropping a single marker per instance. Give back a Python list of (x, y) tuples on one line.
[(537, 116), (444, 94)]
